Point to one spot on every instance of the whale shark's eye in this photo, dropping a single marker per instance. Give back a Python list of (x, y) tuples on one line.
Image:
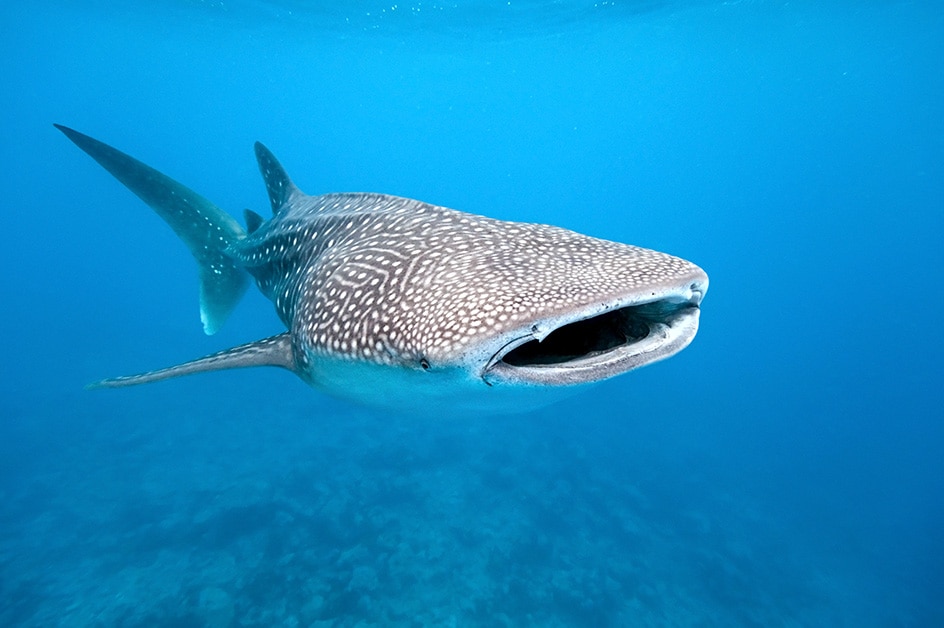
[(424, 364)]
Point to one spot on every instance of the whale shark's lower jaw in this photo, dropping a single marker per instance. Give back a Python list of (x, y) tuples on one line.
[(596, 347)]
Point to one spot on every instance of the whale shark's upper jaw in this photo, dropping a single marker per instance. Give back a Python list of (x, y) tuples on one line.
[(601, 340)]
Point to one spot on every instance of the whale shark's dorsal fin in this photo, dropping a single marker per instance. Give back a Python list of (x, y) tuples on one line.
[(205, 228), (278, 184), (253, 220), (273, 351)]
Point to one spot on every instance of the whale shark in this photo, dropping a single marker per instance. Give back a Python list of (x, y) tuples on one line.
[(404, 305)]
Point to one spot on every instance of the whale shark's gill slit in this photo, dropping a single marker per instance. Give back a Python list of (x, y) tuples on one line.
[(592, 336)]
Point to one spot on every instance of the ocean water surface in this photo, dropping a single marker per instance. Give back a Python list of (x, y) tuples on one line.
[(785, 469)]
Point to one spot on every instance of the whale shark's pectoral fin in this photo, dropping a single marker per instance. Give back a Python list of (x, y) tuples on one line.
[(274, 351)]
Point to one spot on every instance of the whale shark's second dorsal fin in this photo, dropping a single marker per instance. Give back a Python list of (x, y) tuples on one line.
[(205, 228), (278, 184), (273, 351), (253, 220)]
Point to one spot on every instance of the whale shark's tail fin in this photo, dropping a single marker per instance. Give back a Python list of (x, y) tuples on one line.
[(205, 228)]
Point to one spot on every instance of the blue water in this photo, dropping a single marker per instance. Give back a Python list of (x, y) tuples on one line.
[(786, 469)]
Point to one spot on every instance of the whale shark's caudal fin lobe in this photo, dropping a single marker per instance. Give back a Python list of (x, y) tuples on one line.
[(278, 184), (274, 351), (205, 228)]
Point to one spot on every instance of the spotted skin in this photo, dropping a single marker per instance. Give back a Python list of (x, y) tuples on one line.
[(394, 281)]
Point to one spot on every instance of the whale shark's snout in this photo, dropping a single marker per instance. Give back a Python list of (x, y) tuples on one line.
[(402, 304)]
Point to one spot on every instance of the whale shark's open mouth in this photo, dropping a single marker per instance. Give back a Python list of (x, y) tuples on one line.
[(599, 346)]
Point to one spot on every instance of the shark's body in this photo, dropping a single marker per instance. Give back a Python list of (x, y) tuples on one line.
[(398, 303)]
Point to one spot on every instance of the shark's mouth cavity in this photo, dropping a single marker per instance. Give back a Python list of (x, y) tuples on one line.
[(583, 339), (600, 346)]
